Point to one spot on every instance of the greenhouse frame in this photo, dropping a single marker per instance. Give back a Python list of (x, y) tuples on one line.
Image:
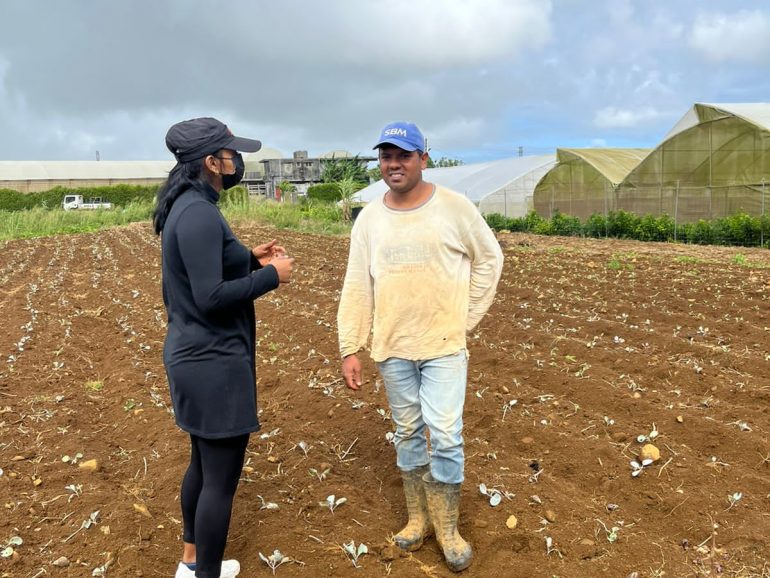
[(713, 163), (504, 186), (583, 181)]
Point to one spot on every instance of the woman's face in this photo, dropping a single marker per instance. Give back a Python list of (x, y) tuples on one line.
[(219, 164)]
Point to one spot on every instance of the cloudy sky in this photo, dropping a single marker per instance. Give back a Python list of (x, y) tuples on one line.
[(481, 77)]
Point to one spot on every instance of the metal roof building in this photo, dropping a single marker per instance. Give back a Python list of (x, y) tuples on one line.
[(504, 186), (34, 176)]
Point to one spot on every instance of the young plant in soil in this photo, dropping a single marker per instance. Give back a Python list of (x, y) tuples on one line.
[(274, 560), (332, 503), (355, 553)]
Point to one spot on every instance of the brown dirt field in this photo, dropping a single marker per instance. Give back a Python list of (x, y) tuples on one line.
[(596, 340)]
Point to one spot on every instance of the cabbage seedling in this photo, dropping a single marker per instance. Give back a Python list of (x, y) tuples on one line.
[(638, 468), (741, 425), (267, 505), (495, 495), (550, 548), (508, 406), (641, 438), (274, 432), (331, 503), (734, 499), (612, 533), (76, 491), (320, 475), (8, 550), (72, 459), (274, 560), (355, 553), (303, 446)]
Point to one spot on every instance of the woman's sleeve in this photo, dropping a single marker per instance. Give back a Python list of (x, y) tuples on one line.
[(200, 237)]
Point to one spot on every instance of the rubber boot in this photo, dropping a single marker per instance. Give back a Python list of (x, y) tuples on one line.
[(444, 509), (419, 526)]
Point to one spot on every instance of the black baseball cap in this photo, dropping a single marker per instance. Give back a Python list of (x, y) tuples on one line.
[(195, 138)]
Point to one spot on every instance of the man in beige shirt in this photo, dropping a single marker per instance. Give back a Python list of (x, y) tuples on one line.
[(422, 272)]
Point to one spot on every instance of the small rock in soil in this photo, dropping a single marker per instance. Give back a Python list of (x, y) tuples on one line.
[(89, 466), (649, 452), (62, 562)]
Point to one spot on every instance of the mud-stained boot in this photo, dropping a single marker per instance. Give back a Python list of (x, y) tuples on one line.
[(444, 510), (419, 526)]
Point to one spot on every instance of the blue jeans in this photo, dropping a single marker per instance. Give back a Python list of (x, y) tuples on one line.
[(428, 393)]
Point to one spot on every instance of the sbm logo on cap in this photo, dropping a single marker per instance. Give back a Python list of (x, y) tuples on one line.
[(395, 132)]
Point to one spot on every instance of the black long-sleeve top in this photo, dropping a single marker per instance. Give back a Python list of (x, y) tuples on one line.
[(210, 280)]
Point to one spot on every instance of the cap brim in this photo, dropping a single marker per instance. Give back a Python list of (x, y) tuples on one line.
[(396, 143), (246, 145)]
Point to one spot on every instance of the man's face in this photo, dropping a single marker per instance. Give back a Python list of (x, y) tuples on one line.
[(401, 170)]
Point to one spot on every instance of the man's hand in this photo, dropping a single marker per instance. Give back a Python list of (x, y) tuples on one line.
[(267, 252), (351, 372)]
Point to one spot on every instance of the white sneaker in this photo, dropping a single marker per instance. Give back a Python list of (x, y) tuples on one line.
[(230, 569)]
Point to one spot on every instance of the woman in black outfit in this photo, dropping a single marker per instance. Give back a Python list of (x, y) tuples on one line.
[(210, 281)]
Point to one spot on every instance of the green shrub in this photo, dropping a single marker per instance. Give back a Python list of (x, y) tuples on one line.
[(324, 192), (652, 228), (622, 225), (497, 222), (595, 226), (544, 227), (738, 229), (741, 229), (234, 197), (700, 233), (562, 224), (118, 195)]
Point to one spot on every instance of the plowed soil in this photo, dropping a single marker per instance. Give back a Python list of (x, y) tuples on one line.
[(598, 343)]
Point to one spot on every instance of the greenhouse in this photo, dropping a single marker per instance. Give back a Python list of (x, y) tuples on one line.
[(583, 181), (504, 186), (714, 162)]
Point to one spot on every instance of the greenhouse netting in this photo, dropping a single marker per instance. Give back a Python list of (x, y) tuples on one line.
[(583, 181), (715, 162)]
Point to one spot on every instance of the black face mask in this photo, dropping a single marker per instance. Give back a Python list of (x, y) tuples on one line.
[(229, 181)]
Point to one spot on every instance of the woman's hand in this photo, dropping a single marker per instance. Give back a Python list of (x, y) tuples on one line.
[(267, 252)]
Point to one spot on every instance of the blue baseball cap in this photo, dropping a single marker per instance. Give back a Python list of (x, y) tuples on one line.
[(404, 135)]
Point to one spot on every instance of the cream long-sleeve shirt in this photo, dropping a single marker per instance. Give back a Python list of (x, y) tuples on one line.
[(417, 279)]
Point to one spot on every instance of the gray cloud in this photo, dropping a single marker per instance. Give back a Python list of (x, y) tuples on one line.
[(481, 78)]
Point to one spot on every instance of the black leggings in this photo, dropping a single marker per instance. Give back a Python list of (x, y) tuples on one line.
[(207, 494)]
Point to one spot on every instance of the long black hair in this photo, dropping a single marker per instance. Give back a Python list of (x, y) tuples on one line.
[(182, 177)]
